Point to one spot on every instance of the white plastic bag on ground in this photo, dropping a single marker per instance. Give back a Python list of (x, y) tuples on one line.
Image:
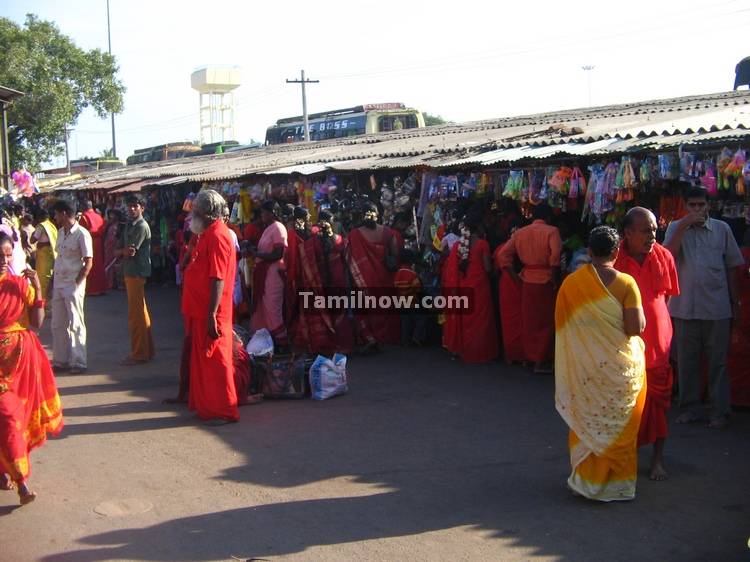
[(328, 377), (260, 344)]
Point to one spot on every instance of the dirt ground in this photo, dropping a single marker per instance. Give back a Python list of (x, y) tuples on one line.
[(424, 459)]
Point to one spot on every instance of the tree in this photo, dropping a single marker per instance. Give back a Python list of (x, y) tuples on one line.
[(430, 120), (59, 79)]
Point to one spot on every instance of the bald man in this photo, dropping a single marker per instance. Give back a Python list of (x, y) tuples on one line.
[(653, 268)]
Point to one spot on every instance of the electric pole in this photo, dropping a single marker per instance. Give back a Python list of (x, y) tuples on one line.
[(67, 153), (588, 68), (109, 44), (304, 100)]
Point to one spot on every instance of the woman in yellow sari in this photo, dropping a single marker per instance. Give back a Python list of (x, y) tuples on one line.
[(45, 238), (600, 372)]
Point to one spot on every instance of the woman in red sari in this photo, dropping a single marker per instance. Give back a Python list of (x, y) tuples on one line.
[(311, 329), (29, 403), (373, 260), (511, 316), (335, 278), (739, 348), (470, 334)]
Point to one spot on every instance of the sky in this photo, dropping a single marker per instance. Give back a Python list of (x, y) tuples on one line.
[(465, 61)]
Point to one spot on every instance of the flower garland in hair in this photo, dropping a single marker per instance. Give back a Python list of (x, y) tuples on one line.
[(300, 225), (464, 244), (326, 229), (371, 216)]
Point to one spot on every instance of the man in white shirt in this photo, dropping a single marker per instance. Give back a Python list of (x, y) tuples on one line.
[(73, 261)]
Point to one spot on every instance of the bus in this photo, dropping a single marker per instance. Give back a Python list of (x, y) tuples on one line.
[(358, 120), (163, 152)]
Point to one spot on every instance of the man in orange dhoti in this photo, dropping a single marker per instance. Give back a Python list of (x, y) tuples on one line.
[(207, 306), (652, 266)]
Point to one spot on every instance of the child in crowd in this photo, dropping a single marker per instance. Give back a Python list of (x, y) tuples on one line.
[(407, 284)]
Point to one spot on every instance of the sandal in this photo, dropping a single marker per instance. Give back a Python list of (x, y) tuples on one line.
[(719, 423), (689, 417), (6, 483), (25, 495)]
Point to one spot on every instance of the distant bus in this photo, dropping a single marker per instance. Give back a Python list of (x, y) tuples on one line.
[(167, 151), (359, 120)]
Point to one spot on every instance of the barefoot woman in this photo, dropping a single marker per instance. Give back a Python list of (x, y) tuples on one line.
[(29, 404), (600, 372)]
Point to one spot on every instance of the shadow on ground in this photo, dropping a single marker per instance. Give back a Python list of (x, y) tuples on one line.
[(436, 445)]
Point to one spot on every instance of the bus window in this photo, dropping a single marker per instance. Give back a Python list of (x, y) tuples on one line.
[(397, 122)]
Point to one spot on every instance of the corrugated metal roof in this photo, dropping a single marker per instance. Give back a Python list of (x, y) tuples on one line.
[(577, 132)]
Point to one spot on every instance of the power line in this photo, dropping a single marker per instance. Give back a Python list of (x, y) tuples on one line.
[(452, 61)]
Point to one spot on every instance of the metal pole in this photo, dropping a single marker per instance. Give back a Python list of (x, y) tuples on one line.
[(112, 115), (304, 109), (6, 151), (67, 154), (588, 68)]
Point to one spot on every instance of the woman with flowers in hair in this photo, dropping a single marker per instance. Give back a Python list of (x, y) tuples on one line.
[(310, 328), (29, 403), (373, 260), (334, 274), (470, 333)]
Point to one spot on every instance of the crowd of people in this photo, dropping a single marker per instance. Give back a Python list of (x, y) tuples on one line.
[(610, 315)]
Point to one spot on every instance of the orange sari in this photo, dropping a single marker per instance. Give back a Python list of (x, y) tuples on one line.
[(30, 406)]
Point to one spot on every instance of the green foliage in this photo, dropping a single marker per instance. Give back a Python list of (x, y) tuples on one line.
[(59, 79), (430, 120)]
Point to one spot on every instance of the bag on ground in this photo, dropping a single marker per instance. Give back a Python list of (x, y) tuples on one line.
[(328, 377), (261, 343), (282, 377)]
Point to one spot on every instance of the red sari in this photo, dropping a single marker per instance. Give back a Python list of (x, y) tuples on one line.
[(472, 334), (739, 349), (96, 282), (511, 315), (334, 275), (212, 385), (370, 275), (311, 328), (657, 280), (30, 406)]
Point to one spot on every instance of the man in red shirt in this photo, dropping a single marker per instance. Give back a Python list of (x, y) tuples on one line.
[(538, 248), (207, 306), (653, 268)]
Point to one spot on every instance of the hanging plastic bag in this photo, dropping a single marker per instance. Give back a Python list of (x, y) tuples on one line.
[(260, 344), (577, 184), (722, 162), (708, 180), (328, 377)]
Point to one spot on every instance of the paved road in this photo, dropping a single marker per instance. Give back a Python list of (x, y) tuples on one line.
[(425, 459)]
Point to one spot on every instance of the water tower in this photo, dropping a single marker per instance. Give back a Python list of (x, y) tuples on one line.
[(215, 85)]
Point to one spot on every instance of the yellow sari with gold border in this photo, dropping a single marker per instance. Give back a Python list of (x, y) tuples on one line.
[(600, 387)]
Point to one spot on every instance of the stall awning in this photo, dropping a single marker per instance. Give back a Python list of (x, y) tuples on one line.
[(304, 169), (132, 187)]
